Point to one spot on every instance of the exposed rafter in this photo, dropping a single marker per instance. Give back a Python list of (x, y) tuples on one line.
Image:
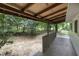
[(55, 12), (48, 8), (58, 19), (30, 11), (57, 16), (27, 6), (62, 19)]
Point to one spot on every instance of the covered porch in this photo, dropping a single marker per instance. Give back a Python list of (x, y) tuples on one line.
[(54, 43)]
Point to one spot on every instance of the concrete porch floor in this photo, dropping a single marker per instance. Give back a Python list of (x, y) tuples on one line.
[(61, 46)]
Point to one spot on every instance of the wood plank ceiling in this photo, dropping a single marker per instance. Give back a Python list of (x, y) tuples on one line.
[(46, 12)]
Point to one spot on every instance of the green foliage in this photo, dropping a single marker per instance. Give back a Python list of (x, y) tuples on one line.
[(64, 26)]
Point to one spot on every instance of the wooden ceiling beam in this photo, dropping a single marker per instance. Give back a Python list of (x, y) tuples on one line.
[(55, 12), (54, 20), (33, 13), (30, 11), (58, 20), (27, 6), (48, 8), (59, 15)]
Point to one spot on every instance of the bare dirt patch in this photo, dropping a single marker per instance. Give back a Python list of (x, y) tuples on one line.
[(23, 46)]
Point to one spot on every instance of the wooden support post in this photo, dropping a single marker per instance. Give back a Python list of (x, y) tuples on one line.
[(56, 28), (76, 26), (71, 26), (48, 28)]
